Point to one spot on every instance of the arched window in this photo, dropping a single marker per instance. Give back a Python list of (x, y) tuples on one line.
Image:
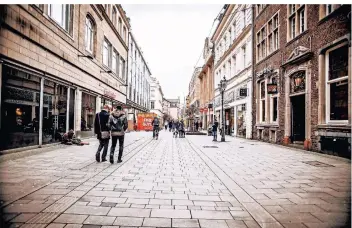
[(114, 16), (89, 35)]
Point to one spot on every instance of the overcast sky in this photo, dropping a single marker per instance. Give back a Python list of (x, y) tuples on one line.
[(172, 38)]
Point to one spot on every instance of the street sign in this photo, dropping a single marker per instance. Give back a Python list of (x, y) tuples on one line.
[(243, 92)]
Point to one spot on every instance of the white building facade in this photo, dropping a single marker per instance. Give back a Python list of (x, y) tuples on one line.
[(233, 59), (156, 98), (138, 82)]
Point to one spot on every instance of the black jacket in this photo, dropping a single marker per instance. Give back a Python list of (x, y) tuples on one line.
[(104, 119)]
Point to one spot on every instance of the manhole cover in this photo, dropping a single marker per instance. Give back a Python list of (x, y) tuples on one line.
[(210, 147), (317, 164)]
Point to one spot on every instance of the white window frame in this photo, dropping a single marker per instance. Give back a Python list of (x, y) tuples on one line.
[(90, 29), (114, 61), (294, 18), (243, 49), (234, 64), (66, 18), (328, 82), (272, 96), (107, 45), (114, 16), (261, 102)]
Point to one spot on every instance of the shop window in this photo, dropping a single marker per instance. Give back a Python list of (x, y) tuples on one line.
[(241, 120), (20, 93), (88, 112), (62, 15), (54, 111), (89, 35), (337, 84), (262, 102)]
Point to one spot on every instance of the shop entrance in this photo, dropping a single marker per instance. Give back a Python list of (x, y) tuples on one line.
[(298, 118)]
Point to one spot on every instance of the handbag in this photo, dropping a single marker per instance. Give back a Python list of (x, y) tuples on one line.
[(104, 134)]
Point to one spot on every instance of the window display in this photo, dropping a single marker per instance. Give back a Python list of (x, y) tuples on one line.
[(88, 112), (54, 111), (19, 109), (241, 120)]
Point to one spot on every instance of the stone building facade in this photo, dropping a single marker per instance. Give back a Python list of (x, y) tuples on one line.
[(302, 80), (59, 64), (156, 98), (138, 82), (233, 60), (206, 78)]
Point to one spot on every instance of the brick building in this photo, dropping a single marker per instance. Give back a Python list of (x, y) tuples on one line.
[(302, 80), (59, 64)]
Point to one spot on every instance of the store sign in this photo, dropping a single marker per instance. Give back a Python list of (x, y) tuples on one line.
[(109, 94), (272, 88), (243, 92), (210, 106), (264, 71)]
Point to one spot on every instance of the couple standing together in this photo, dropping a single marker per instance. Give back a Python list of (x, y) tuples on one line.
[(106, 125)]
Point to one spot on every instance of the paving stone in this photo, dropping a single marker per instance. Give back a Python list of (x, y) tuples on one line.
[(169, 213), (295, 217), (213, 223), (128, 221), (201, 214), (137, 201), (87, 210), (114, 200), (25, 208), (185, 223), (182, 202), (71, 218), (99, 220), (160, 201), (157, 222), (235, 224), (24, 217), (73, 226), (55, 225), (129, 212), (43, 218)]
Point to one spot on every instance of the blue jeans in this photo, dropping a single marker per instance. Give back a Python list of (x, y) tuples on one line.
[(215, 135)]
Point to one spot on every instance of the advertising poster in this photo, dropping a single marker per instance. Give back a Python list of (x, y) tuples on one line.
[(144, 121)]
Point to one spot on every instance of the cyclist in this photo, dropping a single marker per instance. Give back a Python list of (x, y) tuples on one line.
[(156, 124)]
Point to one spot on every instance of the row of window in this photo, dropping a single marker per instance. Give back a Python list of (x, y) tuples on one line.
[(267, 38), (336, 87), (116, 20), (232, 33), (113, 60), (235, 64)]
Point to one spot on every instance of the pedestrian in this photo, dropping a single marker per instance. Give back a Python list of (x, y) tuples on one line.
[(197, 125), (102, 130), (166, 124), (170, 125), (215, 130), (155, 124), (118, 124)]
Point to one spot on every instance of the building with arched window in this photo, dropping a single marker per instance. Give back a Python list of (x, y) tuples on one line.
[(59, 64)]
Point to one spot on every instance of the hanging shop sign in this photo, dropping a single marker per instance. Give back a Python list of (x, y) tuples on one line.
[(272, 88), (210, 106), (243, 92)]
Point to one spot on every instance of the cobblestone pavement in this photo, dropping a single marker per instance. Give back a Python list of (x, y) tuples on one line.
[(189, 182)]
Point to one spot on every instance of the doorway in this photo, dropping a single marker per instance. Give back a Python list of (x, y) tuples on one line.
[(298, 118)]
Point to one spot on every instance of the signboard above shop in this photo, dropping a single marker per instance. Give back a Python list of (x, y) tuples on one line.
[(109, 94), (272, 88)]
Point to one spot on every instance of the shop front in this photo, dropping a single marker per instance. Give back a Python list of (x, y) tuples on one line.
[(241, 120), (25, 96)]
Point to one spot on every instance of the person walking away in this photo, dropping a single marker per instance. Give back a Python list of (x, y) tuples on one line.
[(155, 124), (197, 125), (215, 130), (166, 124), (118, 125), (102, 130), (170, 126), (182, 129)]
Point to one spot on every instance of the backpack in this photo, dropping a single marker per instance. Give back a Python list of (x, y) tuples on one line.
[(118, 124)]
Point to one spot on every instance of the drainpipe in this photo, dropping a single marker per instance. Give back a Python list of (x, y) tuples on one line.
[(253, 75)]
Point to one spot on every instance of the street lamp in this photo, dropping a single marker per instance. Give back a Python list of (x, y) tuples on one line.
[(222, 88)]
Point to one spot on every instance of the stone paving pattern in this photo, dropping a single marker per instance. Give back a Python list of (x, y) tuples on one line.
[(176, 183)]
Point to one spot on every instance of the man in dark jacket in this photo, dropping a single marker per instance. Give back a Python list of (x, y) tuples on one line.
[(118, 124), (215, 130), (155, 124), (102, 130)]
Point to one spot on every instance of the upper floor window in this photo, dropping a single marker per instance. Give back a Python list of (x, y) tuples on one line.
[(259, 8), (107, 53), (297, 20), (89, 35), (325, 10), (61, 14), (120, 26), (114, 16), (244, 16), (124, 33)]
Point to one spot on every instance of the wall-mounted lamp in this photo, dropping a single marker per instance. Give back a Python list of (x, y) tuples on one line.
[(86, 56)]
